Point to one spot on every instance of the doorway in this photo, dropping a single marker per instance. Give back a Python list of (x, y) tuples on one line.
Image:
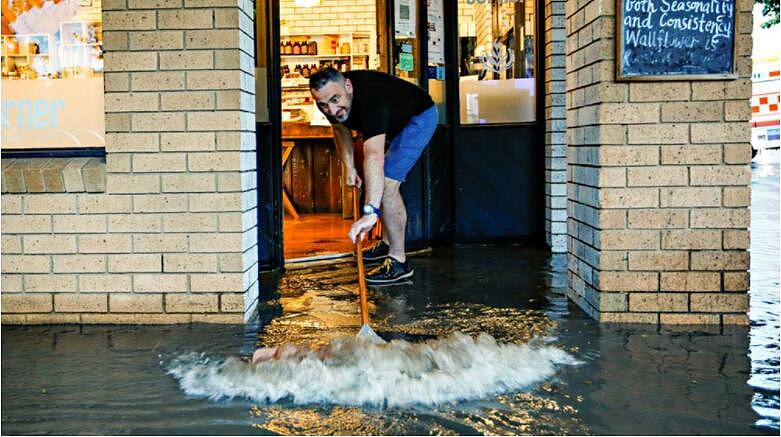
[(317, 204), (482, 176)]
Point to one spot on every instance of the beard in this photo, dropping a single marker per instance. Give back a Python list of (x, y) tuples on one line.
[(345, 115), (347, 108)]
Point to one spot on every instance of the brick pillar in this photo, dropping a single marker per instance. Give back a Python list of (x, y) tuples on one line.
[(658, 183), (180, 146), (555, 127)]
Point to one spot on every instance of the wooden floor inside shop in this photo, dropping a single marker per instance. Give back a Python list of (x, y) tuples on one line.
[(316, 235)]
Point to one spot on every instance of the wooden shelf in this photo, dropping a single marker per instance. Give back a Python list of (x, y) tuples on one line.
[(315, 56), (304, 130), (359, 41)]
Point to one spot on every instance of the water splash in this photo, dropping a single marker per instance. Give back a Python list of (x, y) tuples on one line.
[(355, 372)]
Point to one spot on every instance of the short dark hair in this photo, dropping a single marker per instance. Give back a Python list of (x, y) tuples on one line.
[(323, 76)]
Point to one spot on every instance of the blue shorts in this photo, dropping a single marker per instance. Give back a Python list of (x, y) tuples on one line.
[(406, 147)]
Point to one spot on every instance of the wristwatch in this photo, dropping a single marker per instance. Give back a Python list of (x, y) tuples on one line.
[(371, 209)]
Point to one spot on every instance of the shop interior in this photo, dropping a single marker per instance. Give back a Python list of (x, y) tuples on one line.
[(496, 62), (318, 209)]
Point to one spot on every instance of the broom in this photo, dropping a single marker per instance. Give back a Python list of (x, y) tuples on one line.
[(366, 332)]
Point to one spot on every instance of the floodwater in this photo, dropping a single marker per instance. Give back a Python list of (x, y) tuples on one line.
[(526, 362), (765, 280)]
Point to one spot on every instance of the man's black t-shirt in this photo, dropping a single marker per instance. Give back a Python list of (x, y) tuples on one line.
[(383, 104)]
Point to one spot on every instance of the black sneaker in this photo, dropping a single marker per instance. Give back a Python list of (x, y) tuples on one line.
[(376, 252), (390, 271)]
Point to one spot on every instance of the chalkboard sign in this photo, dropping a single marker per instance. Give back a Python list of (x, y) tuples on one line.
[(675, 39)]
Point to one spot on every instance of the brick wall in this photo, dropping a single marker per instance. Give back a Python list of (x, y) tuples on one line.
[(328, 17), (658, 183), (173, 237), (555, 127)]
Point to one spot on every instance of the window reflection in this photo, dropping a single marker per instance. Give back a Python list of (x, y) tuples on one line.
[(496, 61), (52, 74), (54, 39)]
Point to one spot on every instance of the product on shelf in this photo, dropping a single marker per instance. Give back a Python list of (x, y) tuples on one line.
[(305, 55)]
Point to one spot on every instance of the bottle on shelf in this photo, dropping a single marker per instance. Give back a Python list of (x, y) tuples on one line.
[(304, 48), (296, 48), (305, 71), (313, 69), (313, 47), (288, 50), (298, 69)]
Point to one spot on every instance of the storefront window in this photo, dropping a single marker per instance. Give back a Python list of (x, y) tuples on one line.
[(52, 74), (496, 61)]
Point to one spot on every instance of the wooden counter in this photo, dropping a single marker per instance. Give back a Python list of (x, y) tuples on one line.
[(313, 174)]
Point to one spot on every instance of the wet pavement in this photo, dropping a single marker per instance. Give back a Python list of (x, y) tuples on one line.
[(629, 380)]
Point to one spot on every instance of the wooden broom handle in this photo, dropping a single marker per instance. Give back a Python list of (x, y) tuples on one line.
[(361, 271)]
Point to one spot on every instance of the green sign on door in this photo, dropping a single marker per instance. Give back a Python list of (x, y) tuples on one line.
[(406, 62)]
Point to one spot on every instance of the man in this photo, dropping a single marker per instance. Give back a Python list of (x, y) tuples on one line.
[(380, 107)]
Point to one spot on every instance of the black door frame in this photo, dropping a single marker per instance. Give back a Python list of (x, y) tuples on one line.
[(269, 152)]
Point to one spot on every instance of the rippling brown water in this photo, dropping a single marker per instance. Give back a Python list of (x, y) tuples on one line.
[(632, 380)]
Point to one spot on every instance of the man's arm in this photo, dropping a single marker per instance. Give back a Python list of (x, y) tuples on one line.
[(344, 144), (373, 162), (373, 172)]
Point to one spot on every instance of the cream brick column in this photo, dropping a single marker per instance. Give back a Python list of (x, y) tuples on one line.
[(180, 154), (555, 127), (658, 183)]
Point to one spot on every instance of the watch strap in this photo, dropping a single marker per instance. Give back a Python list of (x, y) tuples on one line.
[(374, 210)]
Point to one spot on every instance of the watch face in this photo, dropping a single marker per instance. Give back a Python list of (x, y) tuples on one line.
[(368, 209)]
